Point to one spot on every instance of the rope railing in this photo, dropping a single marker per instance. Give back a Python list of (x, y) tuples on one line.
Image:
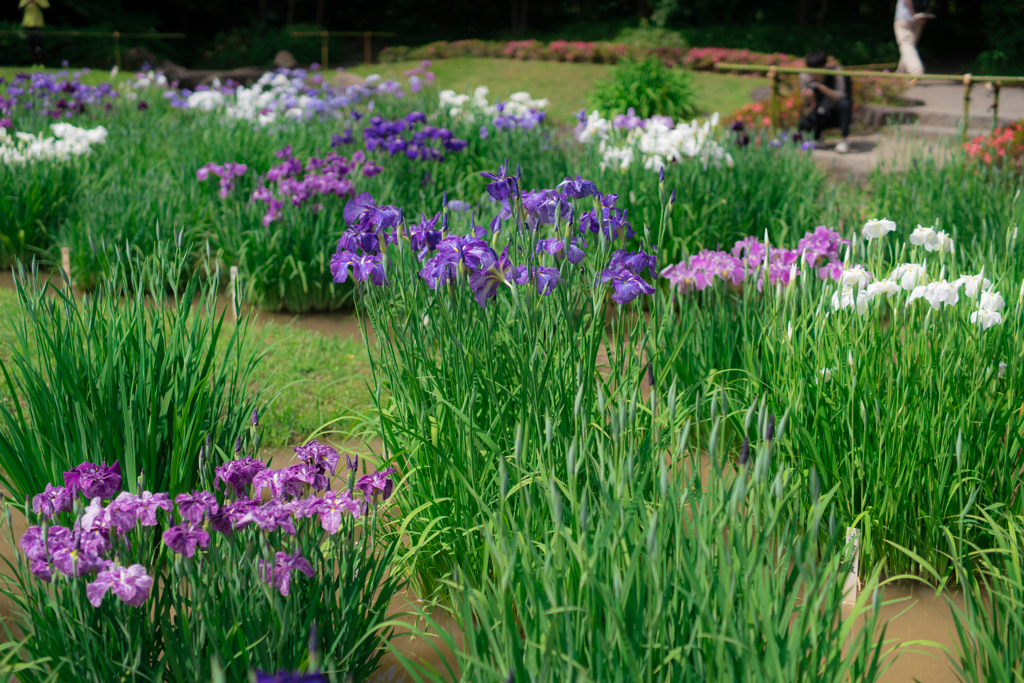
[(967, 79), (325, 35), (116, 35)]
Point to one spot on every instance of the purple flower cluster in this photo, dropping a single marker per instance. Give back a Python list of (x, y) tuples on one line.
[(428, 143), (444, 256), (628, 121), (419, 76), (818, 249), (508, 121), (293, 495), (227, 174), (57, 95), (89, 546), (297, 184)]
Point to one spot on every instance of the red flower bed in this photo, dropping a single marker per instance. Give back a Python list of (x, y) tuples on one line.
[(1004, 146)]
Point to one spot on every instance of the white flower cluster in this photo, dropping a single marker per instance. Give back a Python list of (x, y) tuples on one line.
[(856, 288), (469, 107), (149, 78), (656, 142), (67, 141)]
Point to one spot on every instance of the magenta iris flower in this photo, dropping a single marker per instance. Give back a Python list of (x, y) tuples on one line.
[(196, 506), (238, 474), (279, 574), (270, 516), (130, 584), (318, 455), (370, 484), (51, 501), (333, 506), (185, 538), (94, 481)]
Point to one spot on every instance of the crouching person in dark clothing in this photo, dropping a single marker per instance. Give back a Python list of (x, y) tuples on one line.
[(826, 100)]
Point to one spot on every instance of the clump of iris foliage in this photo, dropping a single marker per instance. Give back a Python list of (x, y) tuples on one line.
[(133, 436), (543, 371)]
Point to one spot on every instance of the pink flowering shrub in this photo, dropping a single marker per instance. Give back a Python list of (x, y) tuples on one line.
[(1004, 147)]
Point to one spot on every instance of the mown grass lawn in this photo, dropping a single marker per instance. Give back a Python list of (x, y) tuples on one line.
[(565, 84)]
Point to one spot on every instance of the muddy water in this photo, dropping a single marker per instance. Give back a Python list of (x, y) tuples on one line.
[(915, 613)]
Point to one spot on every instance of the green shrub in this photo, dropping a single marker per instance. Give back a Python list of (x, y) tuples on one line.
[(649, 87)]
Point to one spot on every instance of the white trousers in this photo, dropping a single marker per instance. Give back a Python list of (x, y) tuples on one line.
[(907, 35)]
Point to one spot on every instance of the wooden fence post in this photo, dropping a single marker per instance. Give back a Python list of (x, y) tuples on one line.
[(234, 290), (65, 264), (967, 102), (773, 97), (323, 50), (995, 103), (367, 53)]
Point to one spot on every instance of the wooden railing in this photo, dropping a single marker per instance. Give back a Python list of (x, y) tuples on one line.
[(325, 35), (967, 79)]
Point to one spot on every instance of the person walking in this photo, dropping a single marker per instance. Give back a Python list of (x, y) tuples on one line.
[(908, 25), (32, 22)]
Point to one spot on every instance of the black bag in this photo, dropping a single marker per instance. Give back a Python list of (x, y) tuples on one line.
[(920, 6)]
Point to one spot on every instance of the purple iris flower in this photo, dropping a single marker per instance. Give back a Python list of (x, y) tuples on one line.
[(627, 285), (319, 456), (575, 252), (94, 481), (185, 538), (547, 278), (57, 537), (52, 500), (634, 261), (485, 281), (281, 482), (424, 236), (146, 505), (270, 516), (332, 507), (551, 246), (504, 186), (238, 474), (369, 484), (345, 138), (458, 205), (540, 207), (577, 188), (279, 574), (365, 267), (130, 584), (196, 506), (223, 521), (284, 676)]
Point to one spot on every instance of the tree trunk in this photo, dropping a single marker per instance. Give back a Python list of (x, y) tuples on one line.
[(320, 15), (515, 16), (291, 13)]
